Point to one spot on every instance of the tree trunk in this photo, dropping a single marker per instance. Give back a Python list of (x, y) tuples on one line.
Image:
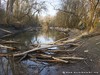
[(9, 11), (0, 4)]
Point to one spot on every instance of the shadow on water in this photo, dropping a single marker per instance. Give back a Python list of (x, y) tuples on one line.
[(9, 66)]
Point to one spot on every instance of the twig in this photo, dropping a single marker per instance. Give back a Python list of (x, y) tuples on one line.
[(22, 58)]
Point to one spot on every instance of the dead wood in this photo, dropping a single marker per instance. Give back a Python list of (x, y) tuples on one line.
[(22, 58), (60, 40), (7, 47), (35, 49), (56, 51), (6, 35), (49, 58), (43, 56), (71, 58), (83, 35), (50, 61), (91, 35), (5, 55), (54, 58), (7, 31), (49, 46), (9, 42)]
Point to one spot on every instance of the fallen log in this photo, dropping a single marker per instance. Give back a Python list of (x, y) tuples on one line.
[(9, 42), (50, 61), (7, 47), (49, 58), (43, 56), (83, 35), (52, 57), (71, 58), (91, 35)]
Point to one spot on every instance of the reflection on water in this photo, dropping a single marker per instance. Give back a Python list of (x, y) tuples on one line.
[(39, 37), (8, 66)]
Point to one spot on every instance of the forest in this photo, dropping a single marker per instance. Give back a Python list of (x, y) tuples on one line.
[(33, 41)]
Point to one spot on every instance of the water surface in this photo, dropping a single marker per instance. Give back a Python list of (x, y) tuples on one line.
[(9, 66)]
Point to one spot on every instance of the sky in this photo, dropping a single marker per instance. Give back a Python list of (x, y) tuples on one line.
[(50, 9)]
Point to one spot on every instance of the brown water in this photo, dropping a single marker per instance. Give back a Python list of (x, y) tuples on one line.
[(8, 66)]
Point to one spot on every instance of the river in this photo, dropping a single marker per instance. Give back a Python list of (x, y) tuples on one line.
[(9, 66)]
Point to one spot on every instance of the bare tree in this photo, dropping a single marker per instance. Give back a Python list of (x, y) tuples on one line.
[(23, 10), (9, 11), (78, 12)]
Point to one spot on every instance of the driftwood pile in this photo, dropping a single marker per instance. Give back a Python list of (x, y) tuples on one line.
[(44, 54)]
